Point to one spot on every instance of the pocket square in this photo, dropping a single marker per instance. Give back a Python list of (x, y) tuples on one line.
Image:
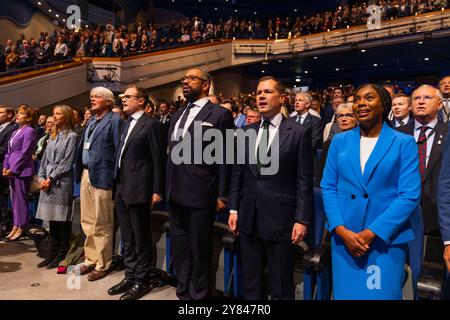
[(207, 124)]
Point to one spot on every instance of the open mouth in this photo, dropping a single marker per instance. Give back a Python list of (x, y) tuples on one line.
[(363, 113)]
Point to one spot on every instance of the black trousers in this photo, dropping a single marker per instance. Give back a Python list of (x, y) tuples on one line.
[(278, 256), (134, 223), (60, 232), (191, 231)]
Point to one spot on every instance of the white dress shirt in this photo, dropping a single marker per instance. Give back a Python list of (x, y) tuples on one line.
[(275, 122), (198, 105), (405, 121), (3, 126), (429, 134), (366, 148), (134, 119)]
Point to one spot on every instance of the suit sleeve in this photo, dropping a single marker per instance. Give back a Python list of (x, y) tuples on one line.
[(304, 205), (316, 134), (408, 194), (116, 132), (29, 142), (66, 163), (156, 145), (329, 187), (4, 146), (444, 193), (226, 123)]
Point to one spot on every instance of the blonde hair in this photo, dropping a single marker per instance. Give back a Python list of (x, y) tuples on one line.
[(105, 93), (70, 121)]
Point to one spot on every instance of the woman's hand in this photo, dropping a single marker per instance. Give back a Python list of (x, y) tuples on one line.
[(45, 184), (7, 173), (354, 242), (368, 236)]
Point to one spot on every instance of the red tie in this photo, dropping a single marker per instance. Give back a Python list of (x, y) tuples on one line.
[(422, 144)]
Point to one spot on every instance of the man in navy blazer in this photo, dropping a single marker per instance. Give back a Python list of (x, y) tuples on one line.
[(195, 189), (95, 170), (271, 211), (444, 202)]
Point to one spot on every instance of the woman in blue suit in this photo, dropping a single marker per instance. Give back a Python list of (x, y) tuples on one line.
[(371, 186)]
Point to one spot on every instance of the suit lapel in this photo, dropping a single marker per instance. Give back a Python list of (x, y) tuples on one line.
[(353, 156), (138, 126), (437, 148), (251, 148), (307, 120), (204, 113), (106, 119), (383, 145)]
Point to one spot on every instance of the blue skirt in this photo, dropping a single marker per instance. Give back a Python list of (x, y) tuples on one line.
[(379, 275)]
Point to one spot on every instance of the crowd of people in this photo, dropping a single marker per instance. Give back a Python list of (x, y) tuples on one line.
[(117, 41), (375, 152)]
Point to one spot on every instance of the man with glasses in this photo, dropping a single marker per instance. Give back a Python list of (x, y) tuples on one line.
[(195, 191), (430, 135), (139, 177), (95, 170)]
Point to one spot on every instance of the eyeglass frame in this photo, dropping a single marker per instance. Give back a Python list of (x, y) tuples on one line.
[(192, 78), (345, 115), (127, 97)]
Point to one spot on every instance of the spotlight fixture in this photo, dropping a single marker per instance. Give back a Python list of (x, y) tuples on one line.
[(337, 69), (363, 50)]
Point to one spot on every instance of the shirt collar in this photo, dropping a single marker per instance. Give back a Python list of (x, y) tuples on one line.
[(405, 120), (137, 115), (431, 124), (274, 121), (201, 102)]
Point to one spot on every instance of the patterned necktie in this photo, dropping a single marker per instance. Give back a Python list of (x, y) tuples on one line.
[(422, 144), (263, 145), (400, 123)]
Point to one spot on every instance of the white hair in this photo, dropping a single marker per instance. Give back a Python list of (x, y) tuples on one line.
[(344, 106), (105, 93), (438, 93), (306, 95)]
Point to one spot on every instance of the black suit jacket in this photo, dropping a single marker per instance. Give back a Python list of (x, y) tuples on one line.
[(5, 134), (199, 185), (276, 201), (315, 125), (410, 122), (430, 183), (142, 164)]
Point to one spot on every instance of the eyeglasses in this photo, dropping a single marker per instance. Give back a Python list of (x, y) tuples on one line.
[(127, 96), (191, 79), (345, 115)]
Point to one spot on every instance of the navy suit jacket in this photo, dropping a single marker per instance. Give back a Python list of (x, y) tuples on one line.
[(430, 182), (199, 185), (276, 201), (444, 193), (382, 199), (104, 144), (5, 134), (315, 125)]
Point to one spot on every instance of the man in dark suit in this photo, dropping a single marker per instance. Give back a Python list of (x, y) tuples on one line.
[(7, 127), (444, 88), (444, 203), (430, 135), (303, 117), (139, 176), (94, 169), (164, 118), (195, 189), (401, 110), (271, 210)]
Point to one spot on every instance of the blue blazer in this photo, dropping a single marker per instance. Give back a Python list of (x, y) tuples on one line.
[(444, 192), (384, 197), (104, 143)]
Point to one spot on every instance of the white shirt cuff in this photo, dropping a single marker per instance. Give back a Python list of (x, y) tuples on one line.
[(235, 212), (446, 243)]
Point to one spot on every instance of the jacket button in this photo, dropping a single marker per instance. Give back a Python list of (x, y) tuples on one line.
[(366, 196), (353, 197)]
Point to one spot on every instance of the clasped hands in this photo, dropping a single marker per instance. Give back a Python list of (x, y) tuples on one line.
[(45, 184), (358, 244)]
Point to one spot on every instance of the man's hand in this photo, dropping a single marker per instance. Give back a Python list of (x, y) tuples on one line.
[(232, 223), (7, 173), (156, 198), (220, 205), (299, 232), (355, 244), (447, 257)]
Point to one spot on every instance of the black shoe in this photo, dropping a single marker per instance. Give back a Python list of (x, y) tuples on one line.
[(138, 290), (45, 262), (121, 287), (54, 263)]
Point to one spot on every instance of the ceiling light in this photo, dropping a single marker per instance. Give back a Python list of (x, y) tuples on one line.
[(426, 59), (298, 80), (306, 71), (337, 69), (235, 10), (420, 42), (255, 12), (363, 50), (49, 10), (39, 3), (262, 71), (280, 60), (375, 65), (315, 58), (215, 9), (57, 15)]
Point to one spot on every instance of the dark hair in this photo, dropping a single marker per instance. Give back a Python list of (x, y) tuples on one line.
[(141, 93), (279, 85), (385, 97)]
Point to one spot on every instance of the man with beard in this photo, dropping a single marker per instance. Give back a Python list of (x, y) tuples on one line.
[(195, 191)]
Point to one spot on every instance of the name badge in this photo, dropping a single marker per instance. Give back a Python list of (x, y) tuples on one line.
[(86, 146)]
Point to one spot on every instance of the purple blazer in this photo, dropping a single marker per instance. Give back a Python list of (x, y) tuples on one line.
[(18, 158)]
